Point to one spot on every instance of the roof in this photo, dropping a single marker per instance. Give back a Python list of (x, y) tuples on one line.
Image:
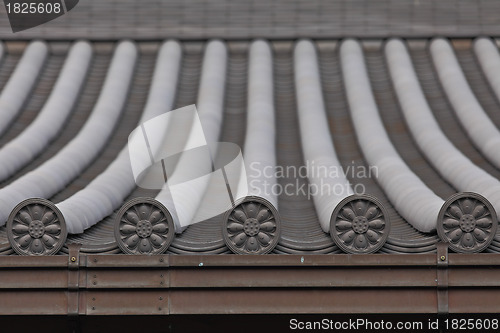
[(274, 19), (399, 98), (297, 212)]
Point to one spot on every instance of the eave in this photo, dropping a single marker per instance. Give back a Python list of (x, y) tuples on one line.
[(231, 284)]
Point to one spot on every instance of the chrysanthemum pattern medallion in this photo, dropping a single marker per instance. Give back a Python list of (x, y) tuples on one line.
[(468, 222), (36, 227), (360, 224), (144, 226), (252, 227)]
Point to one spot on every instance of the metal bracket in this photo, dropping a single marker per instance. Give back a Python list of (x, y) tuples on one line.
[(442, 279), (73, 279)]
